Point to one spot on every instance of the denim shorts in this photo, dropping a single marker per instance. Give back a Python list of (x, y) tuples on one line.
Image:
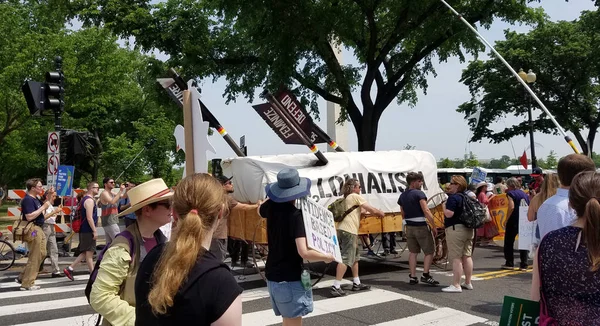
[(290, 299)]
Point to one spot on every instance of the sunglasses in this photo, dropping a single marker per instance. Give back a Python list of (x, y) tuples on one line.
[(165, 204), (453, 183)]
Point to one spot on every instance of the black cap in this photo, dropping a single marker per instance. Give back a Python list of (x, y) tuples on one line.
[(223, 179), (536, 172)]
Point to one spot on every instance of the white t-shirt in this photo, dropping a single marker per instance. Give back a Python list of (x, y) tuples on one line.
[(50, 220)]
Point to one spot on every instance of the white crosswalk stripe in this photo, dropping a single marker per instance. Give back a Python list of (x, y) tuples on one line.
[(65, 301)]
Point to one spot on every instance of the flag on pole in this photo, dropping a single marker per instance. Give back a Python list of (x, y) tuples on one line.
[(523, 160), (475, 116)]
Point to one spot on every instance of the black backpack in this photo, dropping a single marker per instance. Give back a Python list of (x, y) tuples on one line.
[(473, 212)]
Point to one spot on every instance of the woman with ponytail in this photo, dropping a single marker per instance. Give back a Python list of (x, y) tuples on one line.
[(182, 282), (566, 276)]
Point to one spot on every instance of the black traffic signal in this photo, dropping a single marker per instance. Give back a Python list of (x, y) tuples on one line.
[(54, 91), (34, 95), (48, 96)]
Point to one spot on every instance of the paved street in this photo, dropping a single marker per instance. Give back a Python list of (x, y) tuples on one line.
[(391, 301)]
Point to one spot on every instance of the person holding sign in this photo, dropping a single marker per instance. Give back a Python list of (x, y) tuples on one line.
[(566, 276), (515, 195), (288, 247), (347, 232)]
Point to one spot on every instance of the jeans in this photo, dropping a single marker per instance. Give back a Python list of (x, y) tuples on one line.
[(512, 229), (389, 240)]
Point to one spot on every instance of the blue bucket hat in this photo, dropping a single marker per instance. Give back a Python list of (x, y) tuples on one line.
[(289, 186)]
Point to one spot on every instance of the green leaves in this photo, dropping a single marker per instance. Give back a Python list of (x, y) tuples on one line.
[(564, 57)]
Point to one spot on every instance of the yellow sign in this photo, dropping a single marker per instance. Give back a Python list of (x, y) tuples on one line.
[(498, 206)]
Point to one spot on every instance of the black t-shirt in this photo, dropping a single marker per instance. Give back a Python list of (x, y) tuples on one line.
[(455, 204), (202, 299), (29, 205), (410, 200), (284, 225)]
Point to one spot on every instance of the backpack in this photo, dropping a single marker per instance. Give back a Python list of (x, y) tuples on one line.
[(127, 235), (76, 221), (338, 209), (473, 212)]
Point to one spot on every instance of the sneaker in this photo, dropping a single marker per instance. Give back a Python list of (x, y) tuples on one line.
[(413, 280), (508, 267), (68, 274), (466, 286), (429, 280), (386, 252), (393, 252), (337, 292), (371, 253), (17, 280), (523, 268), (452, 289), (360, 287), (55, 275), (31, 288), (249, 265)]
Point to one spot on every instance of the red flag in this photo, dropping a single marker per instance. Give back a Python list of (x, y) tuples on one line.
[(523, 160)]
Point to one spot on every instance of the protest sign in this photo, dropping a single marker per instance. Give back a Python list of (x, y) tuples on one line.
[(478, 175), (64, 180), (526, 229), (519, 312), (498, 206), (320, 228)]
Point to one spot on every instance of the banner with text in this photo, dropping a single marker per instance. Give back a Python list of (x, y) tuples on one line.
[(320, 228), (382, 175)]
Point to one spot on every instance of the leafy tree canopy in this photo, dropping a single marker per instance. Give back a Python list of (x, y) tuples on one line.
[(258, 44), (564, 56)]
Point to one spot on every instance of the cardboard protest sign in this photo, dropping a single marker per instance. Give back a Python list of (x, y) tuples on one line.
[(320, 228), (519, 312), (526, 229), (498, 206), (478, 175), (64, 180)]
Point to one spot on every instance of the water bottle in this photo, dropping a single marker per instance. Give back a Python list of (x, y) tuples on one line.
[(305, 279)]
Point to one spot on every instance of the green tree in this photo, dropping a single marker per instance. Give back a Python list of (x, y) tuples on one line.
[(445, 163), (471, 160), (257, 44), (564, 55), (501, 163)]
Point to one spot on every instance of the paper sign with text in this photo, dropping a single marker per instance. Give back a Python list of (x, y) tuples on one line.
[(478, 175), (64, 180), (519, 312), (320, 228)]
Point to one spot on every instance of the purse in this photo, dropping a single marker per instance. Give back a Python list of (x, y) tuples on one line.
[(22, 230)]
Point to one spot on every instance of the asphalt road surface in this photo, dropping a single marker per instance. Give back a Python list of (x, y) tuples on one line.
[(391, 300)]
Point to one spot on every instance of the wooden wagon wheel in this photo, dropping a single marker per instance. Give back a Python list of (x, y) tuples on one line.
[(261, 250), (440, 256)]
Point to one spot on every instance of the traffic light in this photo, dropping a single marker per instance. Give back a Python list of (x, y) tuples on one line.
[(49, 96), (54, 90), (34, 96)]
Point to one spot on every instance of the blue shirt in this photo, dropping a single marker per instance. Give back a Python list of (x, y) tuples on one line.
[(85, 226), (29, 205), (125, 201), (455, 204), (410, 201), (516, 195), (555, 213)]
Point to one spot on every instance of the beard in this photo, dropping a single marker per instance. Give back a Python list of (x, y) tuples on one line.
[(230, 191)]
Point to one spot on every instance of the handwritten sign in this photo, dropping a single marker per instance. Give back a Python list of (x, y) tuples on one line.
[(320, 228), (519, 312)]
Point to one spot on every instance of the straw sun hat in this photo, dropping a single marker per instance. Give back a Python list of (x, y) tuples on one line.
[(147, 193)]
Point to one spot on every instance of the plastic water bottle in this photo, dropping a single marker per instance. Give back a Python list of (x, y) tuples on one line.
[(305, 279)]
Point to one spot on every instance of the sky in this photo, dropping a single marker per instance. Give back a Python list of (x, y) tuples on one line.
[(441, 130)]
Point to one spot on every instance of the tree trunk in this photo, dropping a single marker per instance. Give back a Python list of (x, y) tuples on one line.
[(367, 133)]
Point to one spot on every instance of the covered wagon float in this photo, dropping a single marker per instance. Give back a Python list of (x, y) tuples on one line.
[(382, 176)]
